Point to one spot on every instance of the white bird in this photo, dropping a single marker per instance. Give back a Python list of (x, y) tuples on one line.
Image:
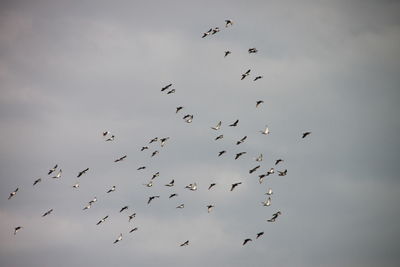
[(149, 184), (76, 185), (192, 187), (118, 239), (218, 126), (181, 206), (88, 206), (93, 201), (58, 174), (110, 138), (271, 171), (267, 202), (265, 131), (269, 192)]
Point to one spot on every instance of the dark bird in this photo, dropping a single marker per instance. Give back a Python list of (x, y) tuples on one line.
[(133, 230), (118, 239), (239, 154), (178, 109), (228, 23), (188, 118), (16, 229), (181, 206), (37, 181), (52, 170), (151, 198), (155, 175), (47, 212), (278, 161), (111, 138), (155, 139), (166, 87), (144, 147), (259, 102), (218, 126), (252, 50), (227, 53), (131, 217), (282, 173), (102, 220), (221, 153), (123, 208), (173, 195), (93, 201), (261, 178), (170, 183), (246, 240), (186, 243), (82, 172), (207, 33), (274, 216), (209, 208), (271, 171), (306, 134), (258, 77), (259, 234), (215, 30), (254, 169), (13, 193), (112, 189), (241, 140), (219, 137), (120, 159), (58, 175), (234, 185), (163, 141), (244, 75), (234, 124), (141, 168), (211, 186), (105, 133), (171, 91), (154, 153)]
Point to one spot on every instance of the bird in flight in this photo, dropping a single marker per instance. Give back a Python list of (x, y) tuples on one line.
[(166, 87), (252, 50), (186, 243), (37, 181), (171, 91), (305, 134), (234, 124), (155, 175), (76, 185), (218, 126), (211, 186), (259, 234), (261, 178), (133, 230), (47, 213), (269, 192), (82, 172), (246, 240), (120, 159), (154, 153), (209, 208), (278, 161), (207, 33), (221, 153), (102, 220), (259, 102), (188, 118), (267, 202), (241, 140), (93, 201), (234, 185), (258, 77), (58, 175), (219, 137), (192, 187), (228, 23), (215, 30), (178, 109), (111, 138), (265, 131), (16, 229), (151, 198), (254, 169), (118, 239), (163, 141), (52, 169), (239, 154), (181, 206), (123, 208), (149, 184), (131, 217), (141, 168), (173, 195), (274, 216), (170, 183), (155, 139), (270, 171), (244, 75), (112, 189), (282, 173), (13, 193), (227, 53), (144, 147), (259, 158)]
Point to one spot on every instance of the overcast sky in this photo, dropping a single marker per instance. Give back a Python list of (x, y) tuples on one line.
[(70, 70)]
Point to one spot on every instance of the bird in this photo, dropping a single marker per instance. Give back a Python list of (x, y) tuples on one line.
[(274, 216), (239, 154), (186, 243), (163, 141), (252, 50), (131, 217), (215, 30), (181, 206), (170, 183), (305, 134), (112, 189), (227, 53), (133, 230), (209, 208), (47, 212), (154, 153), (166, 87), (155, 139), (151, 198), (120, 159), (218, 126), (192, 187), (155, 175), (123, 208), (88, 206), (221, 153), (207, 33), (234, 185), (259, 158), (58, 175), (118, 239), (259, 234), (13, 193), (259, 102), (110, 138), (219, 137), (278, 161), (270, 171), (261, 178), (241, 140), (173, 195), (282, 173), (76, 185), (254, 169), (16, 229), (246, 240), (269, 192), (211, 186), (267, 202), (244, 75), (52, 169), (258, 77), (228, 23), (37, 181), (149, 184), (234, 124), (144, 147), (105, 133), (265, 131), (171, 91), (93, 200), (82, 172), (178, 109), (102, 220), (141, 168), (188, 118)]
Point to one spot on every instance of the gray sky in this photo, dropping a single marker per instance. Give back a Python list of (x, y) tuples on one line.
[(72, 69)]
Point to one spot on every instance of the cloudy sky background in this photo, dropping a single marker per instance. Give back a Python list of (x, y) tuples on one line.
[(70, 70)]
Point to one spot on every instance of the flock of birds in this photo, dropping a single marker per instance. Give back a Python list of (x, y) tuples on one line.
[(56, 171)]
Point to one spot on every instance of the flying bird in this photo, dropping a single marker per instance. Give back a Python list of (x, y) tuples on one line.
[(259, 158), (267, 202), (118, 239), (209, 208), (76, 185), (188, 118), (259, 234), (228, 23), (144, 147), (274, 216), (149, 184), (219, 137), (234, 185), (112, 189), (239, 154), (120, 159), (171, 91), (123, 208), (47, 213), (271, 171), (218, 126), (37, 181), (252, 50), (178, 109), (221, 153), (265, 131), (170, 183), (186, 243), (166, 87), (151, 198), (58, 174), (241, 140), (88, 206), (155, 175), (141, 168), (181, 206), (234, 124), (111, 138), (16, 229), (207, 33), (259, 102), (269, 192), (13, 193), (82, 172), (155, 139), (154, 153), (173, 195), (163, 141), (215, 30), (93, 201), (192, 187), (305, 134), (246, 240), (254, 169), (211, 186), (131, 217), (261, 178), (102, 220), (227, 53), (258, 77), (244, 75), (52, 170), (105, 133), (282, 173), (278, 161), (133, 230)]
